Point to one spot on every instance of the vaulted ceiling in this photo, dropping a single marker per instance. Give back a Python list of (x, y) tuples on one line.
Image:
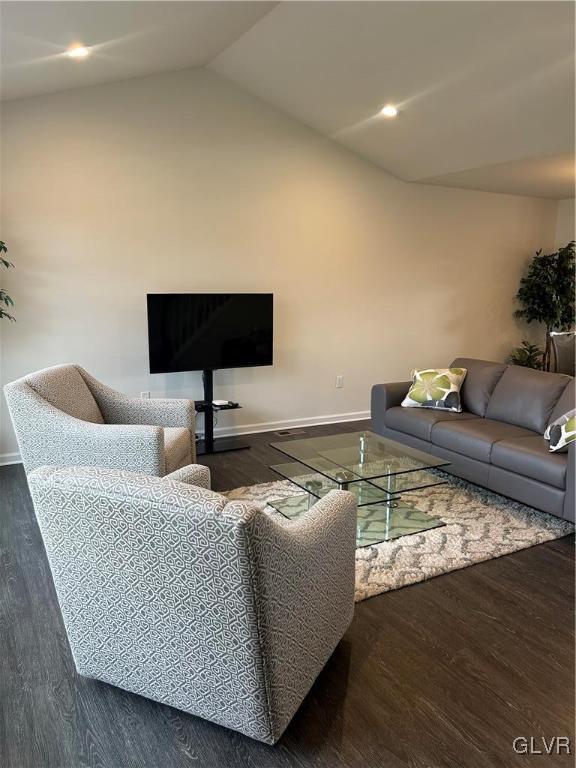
[(485, 90)]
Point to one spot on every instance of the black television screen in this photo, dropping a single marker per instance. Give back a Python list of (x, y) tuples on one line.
[(206, 331)]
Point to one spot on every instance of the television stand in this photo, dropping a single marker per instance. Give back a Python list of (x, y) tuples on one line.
[(209, 445)]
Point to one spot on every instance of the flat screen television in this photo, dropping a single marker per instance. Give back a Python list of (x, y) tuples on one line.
[(208, 331)]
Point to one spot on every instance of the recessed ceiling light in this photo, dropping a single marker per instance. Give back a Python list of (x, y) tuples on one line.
[(77, 52), (389, 111)]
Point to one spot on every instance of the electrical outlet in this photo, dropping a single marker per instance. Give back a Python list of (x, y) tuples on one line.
[(144, 395), (339, 382)]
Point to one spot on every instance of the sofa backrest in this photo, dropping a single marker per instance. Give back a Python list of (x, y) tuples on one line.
[(481, 378), (63, 387), (526, 398), (566, 402)]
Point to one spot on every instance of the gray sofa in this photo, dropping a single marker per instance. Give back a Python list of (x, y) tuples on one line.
[(497, 441)]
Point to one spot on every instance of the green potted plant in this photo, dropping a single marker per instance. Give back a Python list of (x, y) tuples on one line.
[(5, 300), (546, 294), (527, 355)]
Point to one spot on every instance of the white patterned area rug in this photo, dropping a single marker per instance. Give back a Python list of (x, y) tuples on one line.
[(480, 525)]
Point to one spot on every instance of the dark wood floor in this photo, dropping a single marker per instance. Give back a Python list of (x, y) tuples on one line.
[(444, 673)]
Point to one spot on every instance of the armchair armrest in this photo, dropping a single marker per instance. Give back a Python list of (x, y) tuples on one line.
[(48, 436), (325, 533), (192, 474), (118, 408)]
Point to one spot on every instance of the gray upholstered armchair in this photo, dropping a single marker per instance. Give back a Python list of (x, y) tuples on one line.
[(64, 416), (216, 608)]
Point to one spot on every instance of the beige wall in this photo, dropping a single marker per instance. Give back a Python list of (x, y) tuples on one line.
[(182, 182), (565, 223)]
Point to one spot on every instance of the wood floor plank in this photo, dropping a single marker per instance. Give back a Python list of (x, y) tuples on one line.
[(442, 674)]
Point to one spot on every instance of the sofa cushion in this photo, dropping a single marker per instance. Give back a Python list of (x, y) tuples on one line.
[(63, 387), (419, 421), (526, 398), (479, 383), (566, 403), (529, 456), (474, 438), (177, 447)]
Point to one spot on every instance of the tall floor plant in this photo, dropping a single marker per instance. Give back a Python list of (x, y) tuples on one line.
[(546, 294)]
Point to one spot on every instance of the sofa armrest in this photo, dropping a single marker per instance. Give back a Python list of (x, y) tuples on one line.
[(385, 396), (570, 495), (192, 474)]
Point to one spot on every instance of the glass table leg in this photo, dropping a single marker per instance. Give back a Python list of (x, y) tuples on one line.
[(382, 522), (390, 488), (343, 479)]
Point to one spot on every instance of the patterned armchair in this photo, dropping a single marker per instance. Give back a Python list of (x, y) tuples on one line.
[(64, 416), (216, 608)]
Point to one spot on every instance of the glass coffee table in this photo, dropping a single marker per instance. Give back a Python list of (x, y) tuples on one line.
[(378, 471)]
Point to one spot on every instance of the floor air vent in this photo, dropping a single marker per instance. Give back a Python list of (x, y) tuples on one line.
[(288, 432)]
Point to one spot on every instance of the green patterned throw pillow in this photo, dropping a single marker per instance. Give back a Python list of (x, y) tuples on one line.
[(562, 432), (435, 388)]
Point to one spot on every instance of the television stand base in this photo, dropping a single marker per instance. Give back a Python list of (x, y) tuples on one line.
[(221, 445), (209, 445)]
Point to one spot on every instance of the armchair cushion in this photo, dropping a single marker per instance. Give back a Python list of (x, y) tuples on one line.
[(177, 448)]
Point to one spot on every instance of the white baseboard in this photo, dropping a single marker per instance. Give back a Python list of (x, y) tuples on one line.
[(250, 429), (10, 458), (274, 426)]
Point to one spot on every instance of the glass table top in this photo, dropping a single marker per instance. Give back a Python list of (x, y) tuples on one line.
[(355, 456), (376, 470), (365, 491)]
